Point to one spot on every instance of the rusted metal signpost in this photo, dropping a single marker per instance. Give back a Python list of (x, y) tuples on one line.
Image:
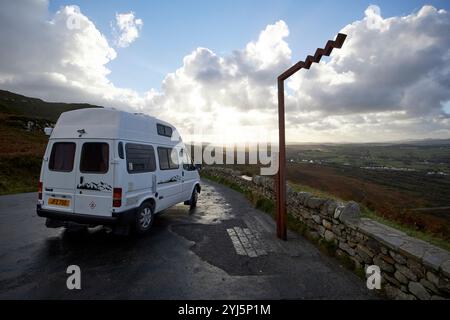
[(281, 175)]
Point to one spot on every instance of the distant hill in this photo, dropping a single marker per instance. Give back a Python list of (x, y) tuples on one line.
[(427, 142), (12, 103)]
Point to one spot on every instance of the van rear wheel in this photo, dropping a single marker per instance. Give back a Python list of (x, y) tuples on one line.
[(144, 218)]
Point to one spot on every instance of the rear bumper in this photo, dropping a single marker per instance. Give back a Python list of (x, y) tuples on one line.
[(121, 218)]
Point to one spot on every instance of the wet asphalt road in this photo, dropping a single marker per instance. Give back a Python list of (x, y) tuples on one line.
[(187, 255)]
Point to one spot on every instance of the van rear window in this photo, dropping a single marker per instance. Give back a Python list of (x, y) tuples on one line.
[(94, 157), (140, 158), (61, 157)]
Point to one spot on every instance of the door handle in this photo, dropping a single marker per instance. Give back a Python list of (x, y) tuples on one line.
[(81, 179)]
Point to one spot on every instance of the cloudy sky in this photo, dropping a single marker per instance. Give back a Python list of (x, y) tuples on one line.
[(210, 67)]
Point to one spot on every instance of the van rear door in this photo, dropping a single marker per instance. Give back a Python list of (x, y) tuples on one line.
[(59, 174), (94, 181)]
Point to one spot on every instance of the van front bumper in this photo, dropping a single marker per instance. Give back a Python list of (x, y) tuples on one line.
[(117, 218)]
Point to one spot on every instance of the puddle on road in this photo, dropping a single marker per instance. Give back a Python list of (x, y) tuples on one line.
[(212, 208)]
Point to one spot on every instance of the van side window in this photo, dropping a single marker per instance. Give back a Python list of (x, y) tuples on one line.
[(165, 159), (62, 156), (94, 157), (140, 158), (120, 149), (164, 130)]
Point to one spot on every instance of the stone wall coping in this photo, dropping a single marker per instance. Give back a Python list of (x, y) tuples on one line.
[(430, 255)]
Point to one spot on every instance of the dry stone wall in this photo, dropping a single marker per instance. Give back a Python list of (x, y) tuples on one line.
[(410, 268)]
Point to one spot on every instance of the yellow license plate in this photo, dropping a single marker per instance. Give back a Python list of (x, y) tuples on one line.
[(59, 202)]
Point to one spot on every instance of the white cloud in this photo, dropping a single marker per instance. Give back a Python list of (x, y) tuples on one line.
[(270, 49), (127, 29), (394, 71), (389, 81), (50, 58), (227, 95)]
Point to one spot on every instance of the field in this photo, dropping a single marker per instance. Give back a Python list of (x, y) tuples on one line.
[(429, 156)]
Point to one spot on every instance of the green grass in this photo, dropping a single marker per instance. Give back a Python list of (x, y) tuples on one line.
[(225, 182), (265, 205), (19, 174), (318, 193)]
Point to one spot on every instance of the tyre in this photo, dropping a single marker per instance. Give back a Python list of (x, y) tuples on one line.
[(193, 200), (144, 218)]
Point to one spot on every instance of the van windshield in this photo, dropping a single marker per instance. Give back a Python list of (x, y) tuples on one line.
[(94, 157), (61, 157)]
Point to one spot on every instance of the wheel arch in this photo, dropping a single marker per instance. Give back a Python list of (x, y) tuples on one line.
[(197, 187), (150, 200)]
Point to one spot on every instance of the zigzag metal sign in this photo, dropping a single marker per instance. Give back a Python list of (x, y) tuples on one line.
[(336, 44), (280, 181)]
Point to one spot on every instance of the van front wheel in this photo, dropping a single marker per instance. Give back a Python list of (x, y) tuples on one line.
[(144, 217), (193, 200)]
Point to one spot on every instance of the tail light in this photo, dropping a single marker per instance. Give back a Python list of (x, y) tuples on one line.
[(117, 197), (40, 190)]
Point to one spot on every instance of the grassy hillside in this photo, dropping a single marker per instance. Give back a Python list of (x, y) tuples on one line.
[(22, 141), (16, 104)]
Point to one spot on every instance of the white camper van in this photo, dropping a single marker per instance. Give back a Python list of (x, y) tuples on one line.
[(109, 167)]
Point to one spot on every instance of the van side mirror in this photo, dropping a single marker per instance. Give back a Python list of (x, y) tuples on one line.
[(48, 131), (198, 166)]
